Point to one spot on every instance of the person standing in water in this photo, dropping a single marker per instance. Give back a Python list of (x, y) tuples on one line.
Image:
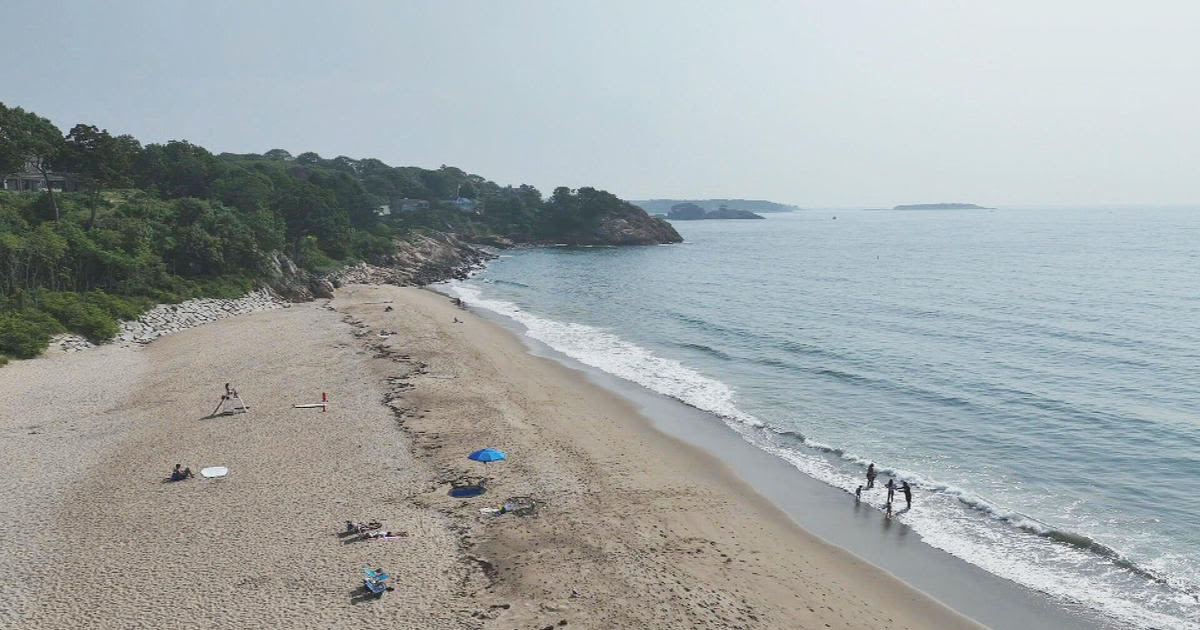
[(891, 488), (907, 489), (871, 476)]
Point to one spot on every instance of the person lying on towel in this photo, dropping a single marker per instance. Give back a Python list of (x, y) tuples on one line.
[(384, 535)]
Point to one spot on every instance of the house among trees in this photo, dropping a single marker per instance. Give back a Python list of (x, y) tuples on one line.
[(31, 180), (410, 205), (467, 205)]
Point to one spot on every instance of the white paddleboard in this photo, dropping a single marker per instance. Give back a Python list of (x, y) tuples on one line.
[(309, 406), (212, 472)]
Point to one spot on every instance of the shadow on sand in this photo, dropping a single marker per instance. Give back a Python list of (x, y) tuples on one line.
[(361, 595)]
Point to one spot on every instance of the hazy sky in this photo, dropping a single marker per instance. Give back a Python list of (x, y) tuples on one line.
[(832, 103)]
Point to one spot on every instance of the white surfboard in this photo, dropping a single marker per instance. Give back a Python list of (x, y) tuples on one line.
[(309, 406), (212, 472)]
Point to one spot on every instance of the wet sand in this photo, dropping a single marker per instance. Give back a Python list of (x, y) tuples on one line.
[(634, 529)]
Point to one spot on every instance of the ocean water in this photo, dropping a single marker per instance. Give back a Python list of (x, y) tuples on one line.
[(1033, 373)]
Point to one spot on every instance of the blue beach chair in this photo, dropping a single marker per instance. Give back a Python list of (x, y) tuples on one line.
[(377, 575), (377, 588)]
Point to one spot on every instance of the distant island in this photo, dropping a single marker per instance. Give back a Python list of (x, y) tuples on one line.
[(692, 212), (937, 206), (663, 206)]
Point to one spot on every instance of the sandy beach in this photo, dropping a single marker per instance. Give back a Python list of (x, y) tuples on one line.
[(634, 529)]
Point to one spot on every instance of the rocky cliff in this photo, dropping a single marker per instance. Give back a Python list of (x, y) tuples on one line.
[(630, 229), (615, 223), (417, 260)]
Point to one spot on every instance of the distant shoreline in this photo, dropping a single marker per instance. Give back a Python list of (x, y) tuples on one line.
[(940, 206), (663, 206)]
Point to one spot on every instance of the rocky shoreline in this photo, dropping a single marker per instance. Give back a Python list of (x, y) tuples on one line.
[(418, 261), (165, 319)]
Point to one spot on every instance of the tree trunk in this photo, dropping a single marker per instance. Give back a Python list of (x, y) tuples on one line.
[(49, 191), (94, 197)]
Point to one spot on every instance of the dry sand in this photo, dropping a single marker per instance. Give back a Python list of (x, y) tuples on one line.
[(635, 530)]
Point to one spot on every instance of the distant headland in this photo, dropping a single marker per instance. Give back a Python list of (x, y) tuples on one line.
[(938, 206), (693, 212), (663, 206)]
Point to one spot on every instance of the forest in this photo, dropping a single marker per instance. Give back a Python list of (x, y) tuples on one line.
[(159, 223)]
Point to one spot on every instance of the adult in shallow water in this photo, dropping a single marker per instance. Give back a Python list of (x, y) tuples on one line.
[(871, 476), (180, 475), (907, 489)]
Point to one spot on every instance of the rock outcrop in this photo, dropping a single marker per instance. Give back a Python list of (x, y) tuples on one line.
[(293, 283), (730, 213), (631, 229), (419, 260), (686, 212), (761, 206), (693, 212)]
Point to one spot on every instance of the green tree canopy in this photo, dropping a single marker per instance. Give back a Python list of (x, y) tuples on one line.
[(26, 138)]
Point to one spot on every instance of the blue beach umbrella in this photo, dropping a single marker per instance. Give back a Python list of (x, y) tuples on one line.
[(486, 455)]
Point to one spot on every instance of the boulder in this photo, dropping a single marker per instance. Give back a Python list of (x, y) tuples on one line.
[(321, 288)]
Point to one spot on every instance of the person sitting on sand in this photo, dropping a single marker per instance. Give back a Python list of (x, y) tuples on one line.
[(180, 475)]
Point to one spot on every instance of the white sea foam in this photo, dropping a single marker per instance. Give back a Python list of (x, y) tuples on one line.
[(999, 540), (605, 351)]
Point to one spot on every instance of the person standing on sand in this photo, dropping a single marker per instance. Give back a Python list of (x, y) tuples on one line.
[(871, 476), (907, 495)]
